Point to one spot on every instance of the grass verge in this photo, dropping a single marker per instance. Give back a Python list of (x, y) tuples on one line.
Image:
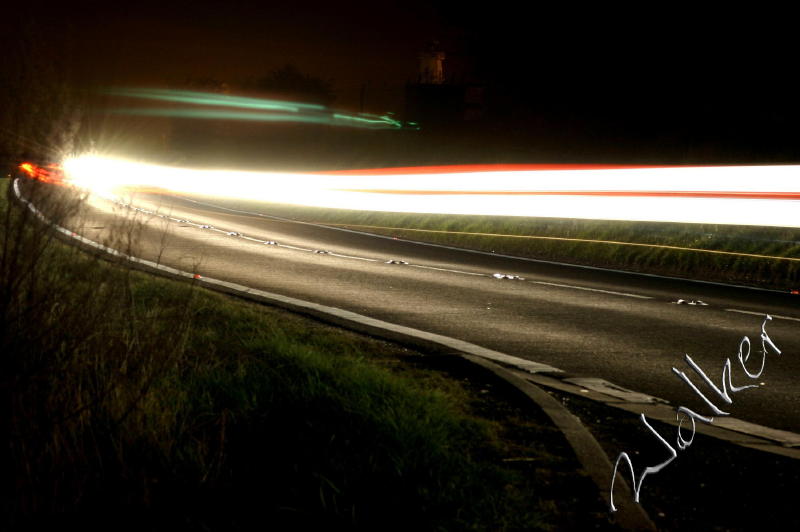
[(154, 404)]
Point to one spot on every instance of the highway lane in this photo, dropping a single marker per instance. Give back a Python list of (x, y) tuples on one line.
[(620, 327)]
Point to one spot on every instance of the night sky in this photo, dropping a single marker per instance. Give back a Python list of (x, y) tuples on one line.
[(349, 43), (666, 70)]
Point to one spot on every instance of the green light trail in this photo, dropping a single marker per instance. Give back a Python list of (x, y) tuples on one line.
[(264, 110)]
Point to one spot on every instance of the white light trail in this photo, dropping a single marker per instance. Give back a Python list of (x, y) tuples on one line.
[(741, 195)]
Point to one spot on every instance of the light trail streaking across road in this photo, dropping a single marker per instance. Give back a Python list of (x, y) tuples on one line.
[(740, 195), (212, 106)]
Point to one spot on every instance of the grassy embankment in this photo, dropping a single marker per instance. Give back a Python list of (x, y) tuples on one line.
[(168, 406), (636, 246)]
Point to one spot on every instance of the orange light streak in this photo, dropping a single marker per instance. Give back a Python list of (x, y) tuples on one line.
[(53, 174)]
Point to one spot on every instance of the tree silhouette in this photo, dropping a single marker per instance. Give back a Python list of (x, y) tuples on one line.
[(288, 82), (40, 107)]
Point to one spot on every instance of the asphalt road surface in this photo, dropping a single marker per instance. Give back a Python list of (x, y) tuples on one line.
[(627, 329)]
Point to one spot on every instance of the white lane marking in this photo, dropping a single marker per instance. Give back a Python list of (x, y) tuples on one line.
[(294, 247), (212, 228), (610, 292), (447, 270), (591, 289), (246, 212), (490, 253), (762, 314), (351, 257)]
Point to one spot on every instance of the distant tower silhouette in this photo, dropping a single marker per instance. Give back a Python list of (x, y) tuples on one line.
[(430, 65)]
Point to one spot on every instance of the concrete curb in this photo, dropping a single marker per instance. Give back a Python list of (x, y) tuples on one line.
[(728, 429), (630, 515)]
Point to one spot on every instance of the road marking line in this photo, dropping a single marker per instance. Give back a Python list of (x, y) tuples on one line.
[(352, 257), (591, 289), (294, 247), (762, 314), (264, 241), (447, 270), (565, 239), (492, 253), (611, 292)]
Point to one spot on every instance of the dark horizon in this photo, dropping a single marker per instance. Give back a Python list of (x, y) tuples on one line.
[(712, 82)]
